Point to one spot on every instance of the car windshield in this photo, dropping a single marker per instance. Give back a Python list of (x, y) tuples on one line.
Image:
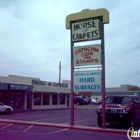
[(118, 100)]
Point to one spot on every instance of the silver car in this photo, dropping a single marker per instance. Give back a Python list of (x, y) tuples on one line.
[(5, 109)]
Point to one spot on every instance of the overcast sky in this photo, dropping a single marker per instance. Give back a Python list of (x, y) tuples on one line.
[(33, 38)]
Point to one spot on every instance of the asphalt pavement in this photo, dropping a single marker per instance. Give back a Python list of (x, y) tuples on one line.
[(10, 131), (55, 124)]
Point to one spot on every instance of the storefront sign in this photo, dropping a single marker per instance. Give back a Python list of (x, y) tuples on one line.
[(87, 80), (87, 55), (85, 31), (38, 82), (18, 87), (44, 83), (58, 84)]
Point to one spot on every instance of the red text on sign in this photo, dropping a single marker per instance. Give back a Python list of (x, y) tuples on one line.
[(87, 61)]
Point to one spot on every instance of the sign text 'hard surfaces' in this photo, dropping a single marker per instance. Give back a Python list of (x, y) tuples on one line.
[(87, 80)]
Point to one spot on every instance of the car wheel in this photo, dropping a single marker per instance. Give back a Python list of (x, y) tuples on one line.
[(8, 111), (99, 121)]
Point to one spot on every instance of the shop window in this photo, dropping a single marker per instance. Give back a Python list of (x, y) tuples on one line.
[(37, 99), (54, 99), (62, 99), (46, 99)]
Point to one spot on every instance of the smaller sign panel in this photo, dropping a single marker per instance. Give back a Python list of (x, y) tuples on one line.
[(86, 30), (87, 80), (87, 55), (18, 87)]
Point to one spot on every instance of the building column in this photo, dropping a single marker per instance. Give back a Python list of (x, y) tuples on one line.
[(32, 98), (41, 99), (58, 99), (50, 99), (25, 101)]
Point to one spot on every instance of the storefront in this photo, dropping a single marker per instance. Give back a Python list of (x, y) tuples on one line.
[(23, 93), (14, 95), (50, 97)]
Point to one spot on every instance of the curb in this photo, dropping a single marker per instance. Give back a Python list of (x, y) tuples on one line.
[(24, 111), (106, 130)]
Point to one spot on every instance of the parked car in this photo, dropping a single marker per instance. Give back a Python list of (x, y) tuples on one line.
[(95, 101), (5, 109), (121, 109), (80, 100), (88, 99)]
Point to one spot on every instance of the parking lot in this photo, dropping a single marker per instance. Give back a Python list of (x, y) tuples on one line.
[(84, 116), (10, 131)]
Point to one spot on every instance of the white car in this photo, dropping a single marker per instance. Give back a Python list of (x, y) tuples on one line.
[(95, 101), (5, 109)]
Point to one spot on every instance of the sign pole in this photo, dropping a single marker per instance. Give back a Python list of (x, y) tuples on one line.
[(79, 23), (103, 74), (72, 93)]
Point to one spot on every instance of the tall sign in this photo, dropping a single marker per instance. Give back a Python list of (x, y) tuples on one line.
[(87, 25)]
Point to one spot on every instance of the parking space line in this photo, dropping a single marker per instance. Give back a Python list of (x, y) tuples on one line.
[(6, 126), (28, 128), (16, 131), (56, 131)]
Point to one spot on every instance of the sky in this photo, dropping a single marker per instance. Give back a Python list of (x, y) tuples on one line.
[(34, 39)]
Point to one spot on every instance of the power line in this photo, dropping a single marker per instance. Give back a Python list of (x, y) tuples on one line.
[(113, 60), (124, 58)]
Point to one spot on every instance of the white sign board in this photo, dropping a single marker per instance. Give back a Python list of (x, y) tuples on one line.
[(86, 30), (87, 55), (87, 80)]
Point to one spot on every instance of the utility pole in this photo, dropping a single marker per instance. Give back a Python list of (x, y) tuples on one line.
[(59, 71)]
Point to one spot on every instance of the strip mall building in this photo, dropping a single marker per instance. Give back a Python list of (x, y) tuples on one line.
[(24, 93), (27, 93)]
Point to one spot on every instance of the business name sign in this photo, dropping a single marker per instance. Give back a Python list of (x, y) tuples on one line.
[(58, 84), (18, 87), (44, 83), (86, 30), (87, 80), (87, 55), (38, 82)]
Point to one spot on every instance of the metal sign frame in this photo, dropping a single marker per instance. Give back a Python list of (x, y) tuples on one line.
[(103, 16)]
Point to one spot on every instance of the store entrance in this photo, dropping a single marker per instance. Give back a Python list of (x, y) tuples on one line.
[(19, 101)]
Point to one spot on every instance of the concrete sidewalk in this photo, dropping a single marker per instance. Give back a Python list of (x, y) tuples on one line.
[(97, 129)]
